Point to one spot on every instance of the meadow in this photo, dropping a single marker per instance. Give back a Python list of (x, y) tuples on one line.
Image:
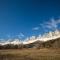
[(30, 54)]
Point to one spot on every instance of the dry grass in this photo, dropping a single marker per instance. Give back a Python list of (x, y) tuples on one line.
[(30, 54)]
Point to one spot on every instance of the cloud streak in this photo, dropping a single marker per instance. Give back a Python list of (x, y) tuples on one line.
[(21, 35), (36, 28), (52, 24)]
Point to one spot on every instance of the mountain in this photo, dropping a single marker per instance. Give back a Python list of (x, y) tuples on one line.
[(47, 40), (55, 43), (10, 41), (45, 37)]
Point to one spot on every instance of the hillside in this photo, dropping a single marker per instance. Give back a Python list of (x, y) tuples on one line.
[(47, 40), (55, 43)]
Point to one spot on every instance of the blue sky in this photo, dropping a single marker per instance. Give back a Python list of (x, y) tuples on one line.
[(22, 18)]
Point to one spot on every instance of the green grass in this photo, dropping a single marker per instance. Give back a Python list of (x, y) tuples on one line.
[(30, 54)]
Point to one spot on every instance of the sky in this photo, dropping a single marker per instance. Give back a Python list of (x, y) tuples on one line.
[(24, 18)]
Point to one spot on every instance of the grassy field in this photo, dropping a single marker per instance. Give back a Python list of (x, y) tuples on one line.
[(30, 54)]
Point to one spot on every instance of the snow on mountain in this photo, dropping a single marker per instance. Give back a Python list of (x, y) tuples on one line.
[(15, 42), (49, 36), (45, 37), (30, 40)]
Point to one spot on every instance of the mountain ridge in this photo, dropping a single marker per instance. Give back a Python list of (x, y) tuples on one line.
[(41, 41)]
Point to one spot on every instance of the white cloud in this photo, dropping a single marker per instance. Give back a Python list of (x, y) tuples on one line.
[(35, 28), (52, 24), (21, 35)]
